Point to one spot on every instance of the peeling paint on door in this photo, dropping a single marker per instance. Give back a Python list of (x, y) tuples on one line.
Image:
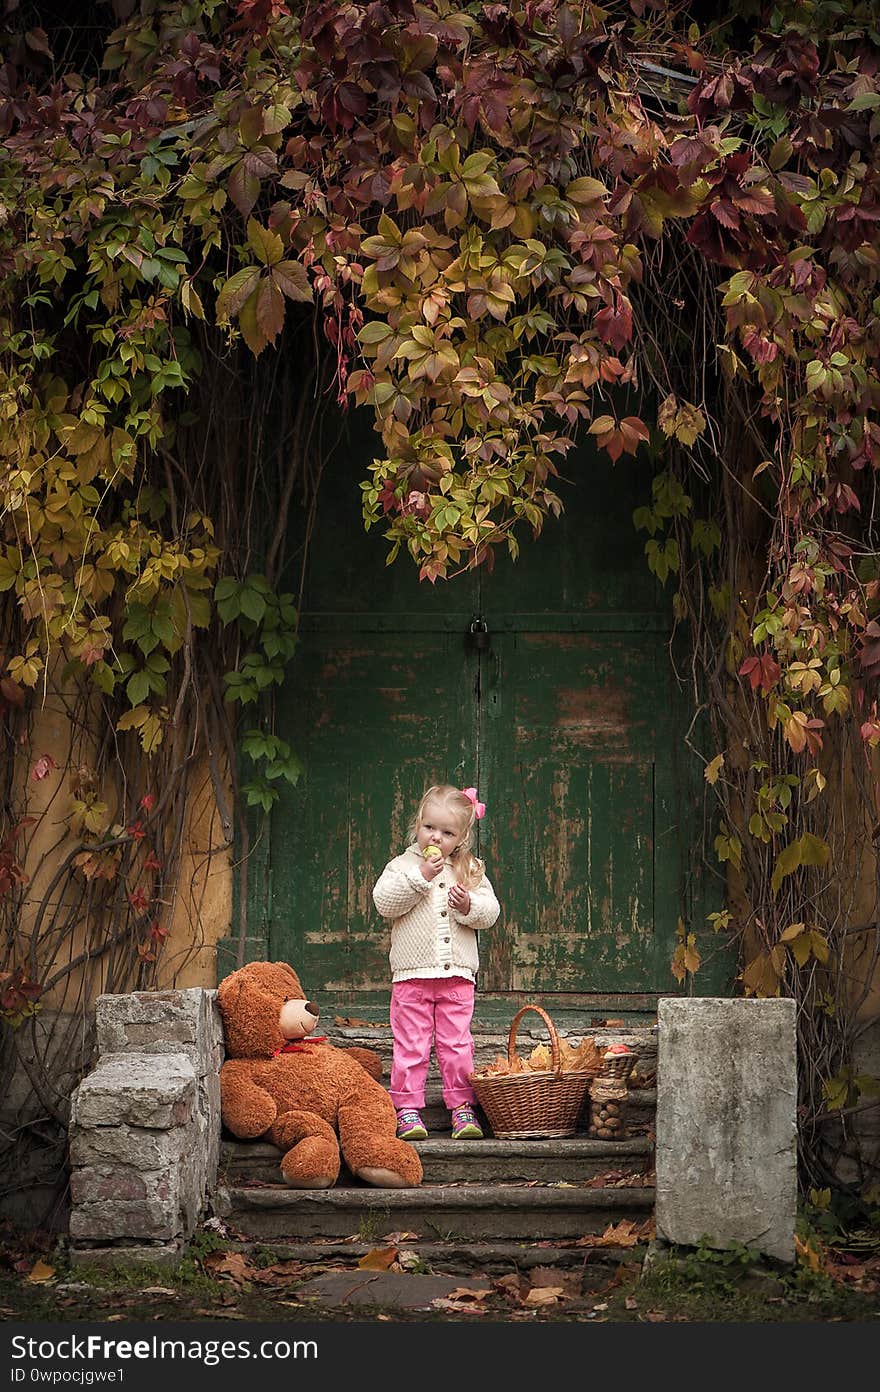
[(564, 717)]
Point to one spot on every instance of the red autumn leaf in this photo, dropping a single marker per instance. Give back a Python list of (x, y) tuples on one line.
[(761, 671), (43, 767), (614, 323)]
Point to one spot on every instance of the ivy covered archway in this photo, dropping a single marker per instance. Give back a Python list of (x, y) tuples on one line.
[(494, 227)]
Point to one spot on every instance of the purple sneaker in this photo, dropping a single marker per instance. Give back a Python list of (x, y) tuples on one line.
[(465, 1126), (410, 1126)]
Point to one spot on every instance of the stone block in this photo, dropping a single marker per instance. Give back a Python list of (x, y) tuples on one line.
[(106, 1219), (162, 1022), (124, 1255), (92, 1183), (127, 1145), (726, 1123), (155, 1091)]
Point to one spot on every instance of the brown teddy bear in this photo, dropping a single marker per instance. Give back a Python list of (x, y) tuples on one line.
[(304, 1095)]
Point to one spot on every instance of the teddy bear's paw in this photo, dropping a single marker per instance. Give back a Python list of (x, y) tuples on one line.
[(382, 1179), (293, 1183)]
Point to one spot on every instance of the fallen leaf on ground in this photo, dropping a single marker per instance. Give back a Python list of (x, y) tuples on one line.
[(543, 1295), (550, 1276), (509, 1285), (282, 1272), (40, 1272), (623, 1234), (353, 1021), (231, 1264), (398, 1237), (408, 1261), (378, 1259), (656, 1316), (467, 1293), (631, 1303), (457, 1307)]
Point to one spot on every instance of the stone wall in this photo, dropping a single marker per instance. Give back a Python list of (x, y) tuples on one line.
[(145, 1126)]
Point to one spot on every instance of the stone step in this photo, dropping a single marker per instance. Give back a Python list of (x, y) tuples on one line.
[(496, 1258), (642, 1104), (466, 1212), (488, 1044), (572, 1159)]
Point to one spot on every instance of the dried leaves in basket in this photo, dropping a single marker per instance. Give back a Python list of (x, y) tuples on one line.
[(583, 1058)]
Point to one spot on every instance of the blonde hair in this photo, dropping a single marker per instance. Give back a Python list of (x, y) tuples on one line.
[(468, 869)]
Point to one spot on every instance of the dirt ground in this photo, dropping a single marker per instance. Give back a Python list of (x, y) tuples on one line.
[(392, 1283)]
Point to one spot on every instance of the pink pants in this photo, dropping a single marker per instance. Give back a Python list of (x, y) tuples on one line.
[(423, 1010)]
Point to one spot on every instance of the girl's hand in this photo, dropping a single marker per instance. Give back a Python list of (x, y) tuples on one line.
[(431, 868), (460, 899)]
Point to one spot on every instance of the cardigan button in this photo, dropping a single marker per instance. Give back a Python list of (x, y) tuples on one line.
[(446, 966), (442, 913), (446, 940)]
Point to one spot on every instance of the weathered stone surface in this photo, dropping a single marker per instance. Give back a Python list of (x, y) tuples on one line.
[(126, 1145), (156, 1091), (111, 1254), (726, 1123), (145, 1125), (162, 1022), (113, 1218), (91, 1183)]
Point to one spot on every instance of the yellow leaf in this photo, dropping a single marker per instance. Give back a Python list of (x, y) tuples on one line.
[(378, 1259), (820, 947), (40, 1272), (689, 423), (760, 976), (626, 1233), (713, 768), (806, 1254), (677, 966), (543, 1295), (793, 930), (691, 954)]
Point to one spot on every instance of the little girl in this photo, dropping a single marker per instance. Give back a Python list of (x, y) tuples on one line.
[(437, 897)]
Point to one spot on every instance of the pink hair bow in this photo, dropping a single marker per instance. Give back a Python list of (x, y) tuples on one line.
[(479, 807)]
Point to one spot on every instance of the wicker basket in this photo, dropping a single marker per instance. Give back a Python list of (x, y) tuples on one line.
[(526, 1106), (619, 1066)]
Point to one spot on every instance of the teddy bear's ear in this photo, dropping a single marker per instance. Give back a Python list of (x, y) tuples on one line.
[(250, 1012), (293, 986)]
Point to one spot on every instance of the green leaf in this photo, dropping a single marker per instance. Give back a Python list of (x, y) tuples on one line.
[(234, 293), (267, 245), (253, 604), (138, 687), (807, 850)]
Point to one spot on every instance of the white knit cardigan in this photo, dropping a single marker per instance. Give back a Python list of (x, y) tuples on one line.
[(429, 938)]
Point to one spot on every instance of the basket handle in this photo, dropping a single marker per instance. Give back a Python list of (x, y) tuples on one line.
[(551, 1029)]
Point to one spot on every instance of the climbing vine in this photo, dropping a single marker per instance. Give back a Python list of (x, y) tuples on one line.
[(510, 228)]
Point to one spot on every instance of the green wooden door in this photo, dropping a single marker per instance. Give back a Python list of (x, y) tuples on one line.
[(561, 709)]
